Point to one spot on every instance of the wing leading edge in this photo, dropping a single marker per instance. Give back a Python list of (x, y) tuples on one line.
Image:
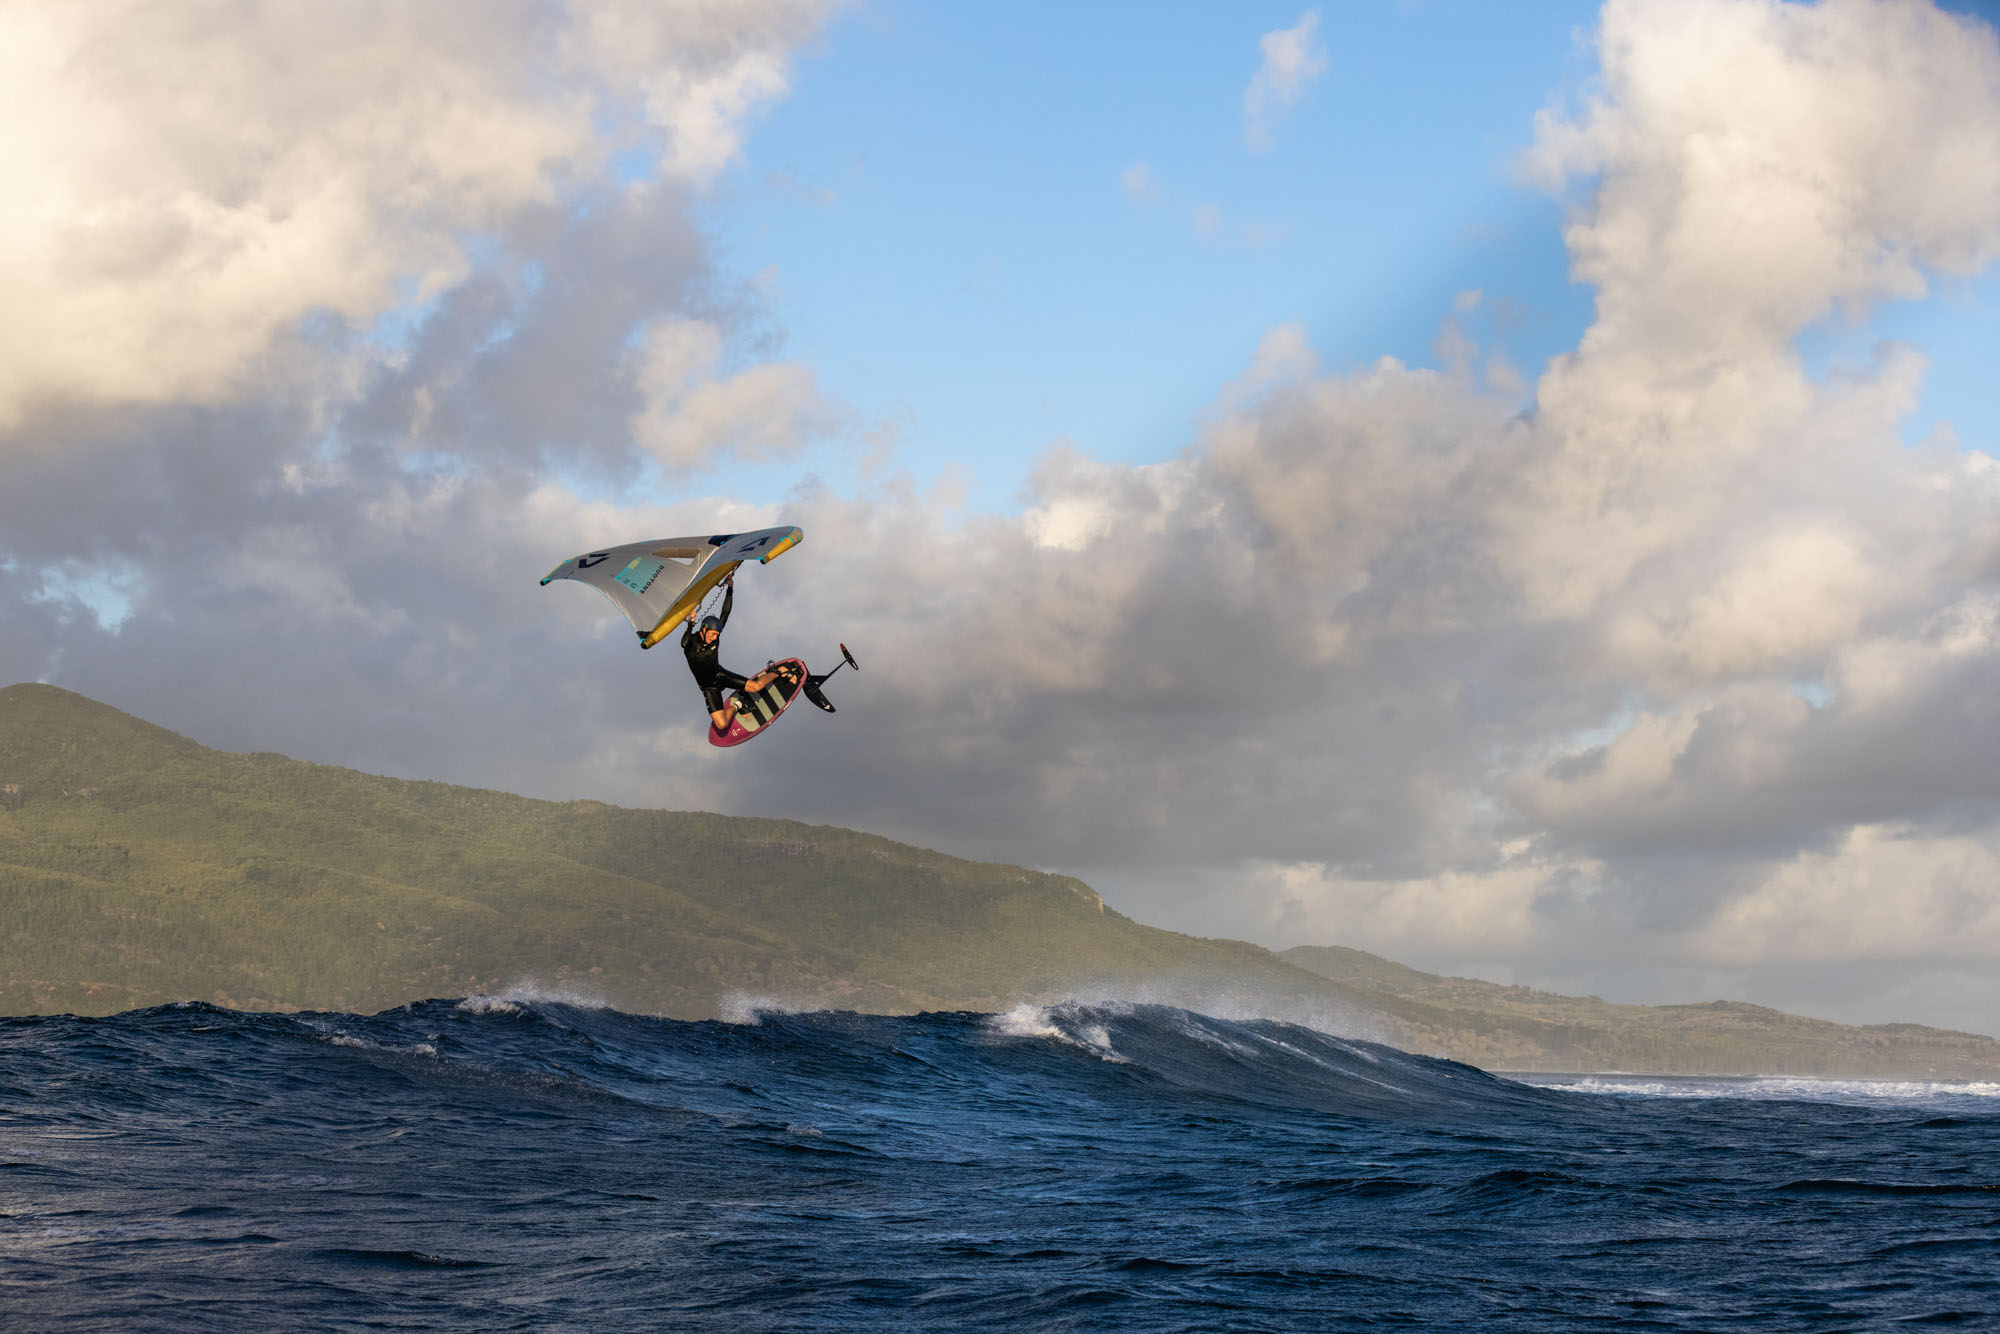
[(656, 584)]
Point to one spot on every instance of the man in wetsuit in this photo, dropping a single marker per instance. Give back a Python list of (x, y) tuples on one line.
[(703, 646)]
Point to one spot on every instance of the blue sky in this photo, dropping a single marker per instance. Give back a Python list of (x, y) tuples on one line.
[(940, 205), (1957, 325), (938, 220)]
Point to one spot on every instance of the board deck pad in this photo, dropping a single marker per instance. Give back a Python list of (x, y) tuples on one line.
[(760, 710)]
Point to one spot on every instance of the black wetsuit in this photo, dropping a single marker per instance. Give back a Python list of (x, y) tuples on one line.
[(704, 660)]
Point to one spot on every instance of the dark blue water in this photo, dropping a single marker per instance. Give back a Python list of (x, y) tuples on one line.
[(542, 1166)]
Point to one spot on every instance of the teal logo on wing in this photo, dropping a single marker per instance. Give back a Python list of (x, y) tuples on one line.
[(640, 574)]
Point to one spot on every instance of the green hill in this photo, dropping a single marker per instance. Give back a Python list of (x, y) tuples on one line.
[(1519, 1028), (138, 867)]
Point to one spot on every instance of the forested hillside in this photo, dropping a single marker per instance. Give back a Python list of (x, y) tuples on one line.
[(137, 867)]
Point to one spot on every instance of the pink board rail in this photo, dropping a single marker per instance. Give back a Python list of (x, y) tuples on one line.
[(759, 711)]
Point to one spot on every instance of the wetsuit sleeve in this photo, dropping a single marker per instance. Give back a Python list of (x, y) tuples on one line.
[(728, 601)]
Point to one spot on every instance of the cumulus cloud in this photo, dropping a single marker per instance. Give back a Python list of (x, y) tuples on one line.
[(319, 359), (1684, 627), (1761, 165), (1293, 58), (1688, 666), (690, 411), (1882, 891), (193, 180)]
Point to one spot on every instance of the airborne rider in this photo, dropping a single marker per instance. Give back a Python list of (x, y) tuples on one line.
[(702, 644)]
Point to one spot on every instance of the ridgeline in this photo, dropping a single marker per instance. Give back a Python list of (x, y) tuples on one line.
[(137, 867)]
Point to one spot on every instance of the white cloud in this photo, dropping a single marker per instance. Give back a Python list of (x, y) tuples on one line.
[(697, 69), (1472, 915), (1787, 595), (1886, 891), (1761, 164), (190, 181), (1874, 673), (690, 413), (1293, 58)]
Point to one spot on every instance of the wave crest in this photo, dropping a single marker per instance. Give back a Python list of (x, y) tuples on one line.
[(530, 991)]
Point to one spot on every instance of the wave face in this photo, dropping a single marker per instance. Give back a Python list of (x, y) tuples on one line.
[(523, 1163)]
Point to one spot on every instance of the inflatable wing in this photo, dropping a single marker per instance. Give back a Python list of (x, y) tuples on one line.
[(656, 584)]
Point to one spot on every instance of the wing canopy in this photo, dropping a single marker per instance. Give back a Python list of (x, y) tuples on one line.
[(656, 584)]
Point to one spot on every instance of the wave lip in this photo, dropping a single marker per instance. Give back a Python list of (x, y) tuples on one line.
[(1266, 1061), (530, 992), (1071, 1024)]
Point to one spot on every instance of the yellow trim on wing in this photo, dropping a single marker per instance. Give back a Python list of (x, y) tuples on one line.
[(689, 600), (785, 544)]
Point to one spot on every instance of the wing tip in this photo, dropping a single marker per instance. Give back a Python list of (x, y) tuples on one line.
[(793, 536)]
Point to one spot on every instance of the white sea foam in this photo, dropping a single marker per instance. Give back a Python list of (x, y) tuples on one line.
[(1195, 1027), (743, 1007), (1039, 1021), (1768, 1087), (529, 991), (1212, 1000)]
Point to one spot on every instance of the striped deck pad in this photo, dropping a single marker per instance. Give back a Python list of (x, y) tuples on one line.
[(759, 711)]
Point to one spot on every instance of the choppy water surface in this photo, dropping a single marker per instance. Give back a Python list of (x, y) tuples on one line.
[(527, 1165)]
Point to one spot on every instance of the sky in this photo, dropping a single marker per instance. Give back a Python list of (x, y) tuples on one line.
[(1511, 488)]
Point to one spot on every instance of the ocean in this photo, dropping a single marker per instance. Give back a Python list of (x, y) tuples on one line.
[(525, 1163)]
